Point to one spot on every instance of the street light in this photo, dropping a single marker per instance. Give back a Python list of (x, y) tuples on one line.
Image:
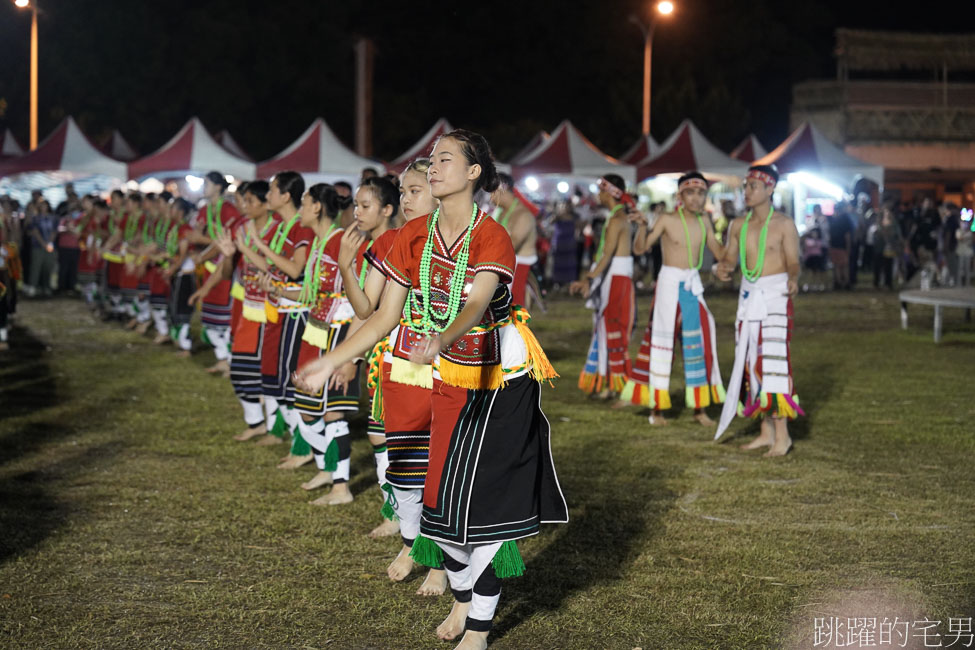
[(23, 4), (664, 8)]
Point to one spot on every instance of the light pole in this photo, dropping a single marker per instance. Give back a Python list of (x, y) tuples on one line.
[(23, 4), (664, 8)]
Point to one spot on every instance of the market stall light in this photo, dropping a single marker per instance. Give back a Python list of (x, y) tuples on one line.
[(23, 4), (563, 187), (593, 188), (195, 183), (817, 183), (665, 7), (228, 178), (531, 183)]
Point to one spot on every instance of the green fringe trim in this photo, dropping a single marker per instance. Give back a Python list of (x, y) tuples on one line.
[(173, 333), (387, 510), (426, 552), (204, 337), (331, 457), (280, 426), (507, 561), (299, 446)]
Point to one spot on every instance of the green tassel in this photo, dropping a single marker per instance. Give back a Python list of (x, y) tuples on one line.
[(280, 426), (204, 337), (173, 333), (299, 446), (507, 561), (426, 552), (332, 457), (387, 510)]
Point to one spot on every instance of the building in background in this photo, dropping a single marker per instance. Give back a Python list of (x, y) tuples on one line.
[(905, 101)]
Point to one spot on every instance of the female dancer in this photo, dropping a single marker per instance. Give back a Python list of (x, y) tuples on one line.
[(323, 412), (491, 478)]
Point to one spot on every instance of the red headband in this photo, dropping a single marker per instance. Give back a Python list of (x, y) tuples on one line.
[(768, 179), (692, 182), (615, 192)]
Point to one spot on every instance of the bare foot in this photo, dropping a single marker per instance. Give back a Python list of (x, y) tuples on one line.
[(386, 529), (619, 404), (131, 324), (319, 480), (453, 625), (251, 432), (340, 494), (473, 641), (780, 448), (220, 366), (703, 419), (269, 440), (435, 583), (657, 419), (294, 462), (142, 328), (184, 354), (762, 440), (606, 393), (161, 339), (399, 568)]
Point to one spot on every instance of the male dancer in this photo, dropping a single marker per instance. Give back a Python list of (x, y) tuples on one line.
[(518, 218), (611, 297), (767, 247), (678, 301)]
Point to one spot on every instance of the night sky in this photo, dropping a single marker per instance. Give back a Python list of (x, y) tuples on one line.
[(264, 70)]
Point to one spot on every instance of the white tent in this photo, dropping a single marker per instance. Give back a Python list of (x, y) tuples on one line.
[(687, 149), (192, 149), (749, 150), (808, 150), (318, 151), (421, 147), (645, 147), (569, 153), (227, 142), (9, 147), (118, 148)]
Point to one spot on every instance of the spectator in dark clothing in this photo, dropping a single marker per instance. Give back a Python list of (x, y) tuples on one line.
[(43, 228), (840, 244), (949, 241), (888, 247), (69, 251)]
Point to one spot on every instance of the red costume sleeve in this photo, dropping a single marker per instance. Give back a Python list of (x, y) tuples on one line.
[(491, 250)]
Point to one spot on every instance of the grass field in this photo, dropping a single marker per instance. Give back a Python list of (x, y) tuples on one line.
[(129, 518)]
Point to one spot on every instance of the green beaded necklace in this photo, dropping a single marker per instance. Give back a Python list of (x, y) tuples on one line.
[(753, 274), (267, 226), (146, 231), (429, 315), (687, 238), (281, 235), (313, 271), (131, 227), (602, 233), (365, 268), (172, 241), (214, 233), (162, 228)]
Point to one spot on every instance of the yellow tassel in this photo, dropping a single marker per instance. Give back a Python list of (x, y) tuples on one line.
[(661, 399), (113, 257), (628, 392), (209, 266), (717, 394), (254, 314), (271, 312), (542, 369), (237, 291), (471, 377), (411, 374), (317, 336)]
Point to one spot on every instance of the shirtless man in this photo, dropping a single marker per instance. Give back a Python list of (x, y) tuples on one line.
[(609, 287), (679, 298), (766, 245), (519, 221)]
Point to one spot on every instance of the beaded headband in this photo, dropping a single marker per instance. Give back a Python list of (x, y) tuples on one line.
[(692, 182), (615, 192), (768, 179)]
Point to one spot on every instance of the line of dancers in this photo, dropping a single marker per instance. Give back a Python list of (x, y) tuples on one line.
[(304, 289), (764, 243)]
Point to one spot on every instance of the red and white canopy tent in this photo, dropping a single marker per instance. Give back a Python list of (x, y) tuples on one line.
[(318, 151), (65, 156), (749, 150), (118, 148), (808, 150), (192, 149), (227, 142), (687, 149), (533, 144), (568, 153), (9, 147), (421, 147), (645, 147)]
